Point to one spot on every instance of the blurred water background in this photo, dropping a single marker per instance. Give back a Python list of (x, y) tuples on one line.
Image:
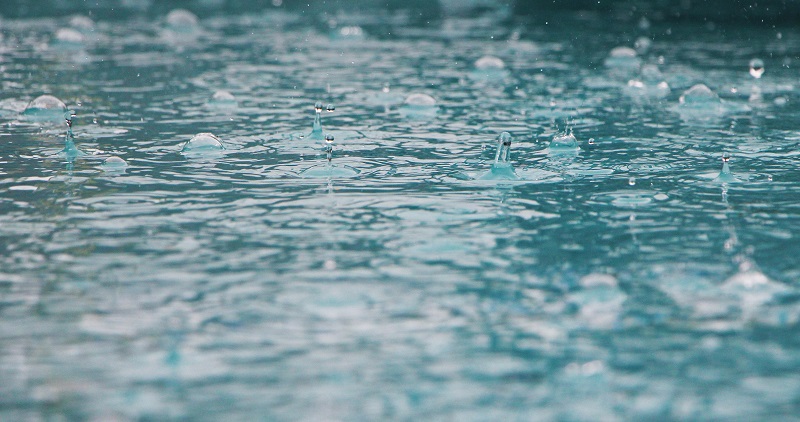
[(634, 257)]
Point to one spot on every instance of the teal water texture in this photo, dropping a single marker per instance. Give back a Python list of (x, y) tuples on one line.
[(625, 279)]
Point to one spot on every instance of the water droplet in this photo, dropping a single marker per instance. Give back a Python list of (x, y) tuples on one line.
[(632, 181), (330, 108), (756, 68)]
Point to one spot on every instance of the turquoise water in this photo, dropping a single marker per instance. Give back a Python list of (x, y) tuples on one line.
[(627, 279)]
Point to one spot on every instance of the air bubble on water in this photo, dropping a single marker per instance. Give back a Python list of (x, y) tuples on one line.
[(419, 106), (223, 96), (699, 96), (330, 108), (114, 164), (82, 23), (489, 62), (650, 83), (222, 99), (623, 59), (420, 100), (489, 68), (68, 38), (756, 68), (203, 142), (45, 108), (591, 141), (182, 21)]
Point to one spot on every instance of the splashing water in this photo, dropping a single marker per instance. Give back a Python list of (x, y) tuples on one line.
[(563, 143), (501, 167), (329, 170)]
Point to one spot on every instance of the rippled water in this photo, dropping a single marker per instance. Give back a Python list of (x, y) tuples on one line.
[(624, 280)]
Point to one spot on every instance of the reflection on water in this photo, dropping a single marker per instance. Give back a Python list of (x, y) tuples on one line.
[(205, 260)]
